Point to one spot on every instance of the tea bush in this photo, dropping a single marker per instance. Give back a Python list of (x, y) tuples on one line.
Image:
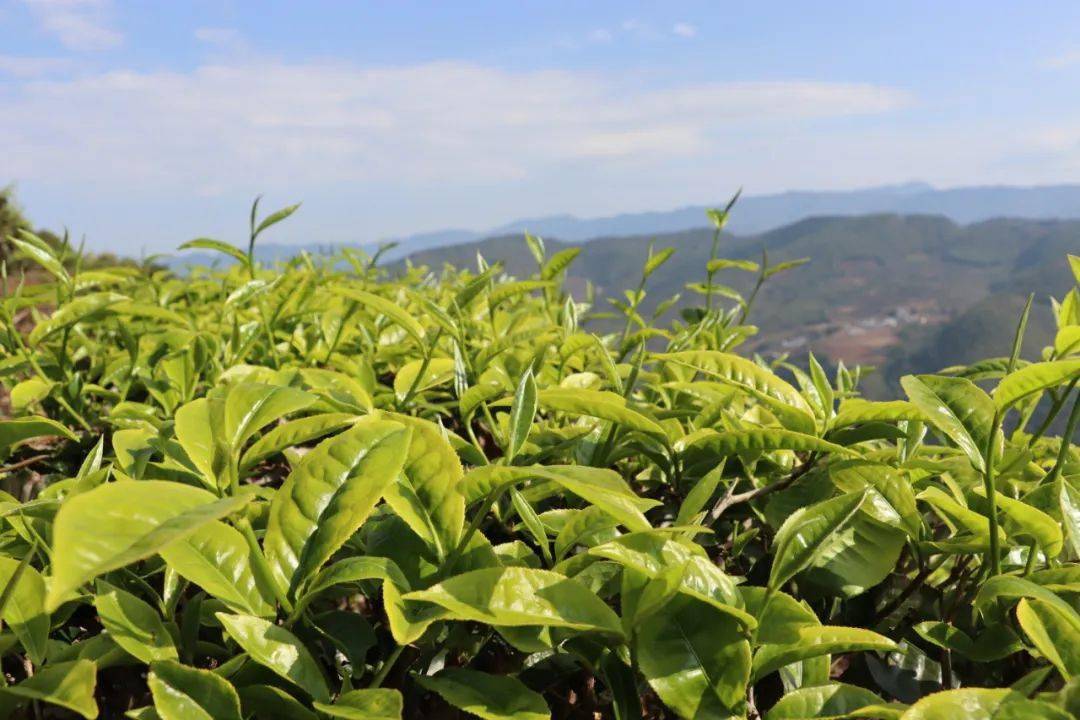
[(321, 491)]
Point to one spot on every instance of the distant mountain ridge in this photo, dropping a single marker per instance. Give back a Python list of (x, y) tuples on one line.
[(897, 291), (761, 213), (753, 214)]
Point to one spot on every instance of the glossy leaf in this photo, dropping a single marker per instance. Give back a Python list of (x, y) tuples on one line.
[(1053, 632), (1034, 378), (327, 497), (13, 432), (522, 412), (817, 640), (352, 570), (603, 488), (969, 703), (426, 493), (957, 408), (371, 704), (598, 404), (802, 535), (732, 442), (385, 307), (24, 609), (217, 246), (186, 693), (994, 643), (436, 371), (218, 559), (279, 650), (517, 596), (293, 433), (695, 658), (69, 685), (133, 624), (271, 701), (823, 701), (492, 697), (653, 554), (116, 524), (857, 411)]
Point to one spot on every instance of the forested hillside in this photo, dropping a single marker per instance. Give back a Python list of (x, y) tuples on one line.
[(895, 291)]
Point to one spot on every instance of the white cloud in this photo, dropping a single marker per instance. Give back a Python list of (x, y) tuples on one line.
[(217, 35), (634, 29), (290, 124), (77, 24), (30, 67), (685, 30), (1068, 58)]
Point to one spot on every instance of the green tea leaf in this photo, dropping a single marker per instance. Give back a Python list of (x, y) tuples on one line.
[(1053, 632), (602, 488), (823, 701), (385, 307), (293, 433), (994, 643), (371, 704), (275, 217), (856, 411), (968, 703), (733, 442), (522, 412), (279, 650), (742, 372), (217, 246), (116, 524), (437, 371), (69, 685), (351, 570), (187, 693), (803, 534), (598, 404), (492, 697), (218, 559), (24, 610), (518, 596), (327, 497), (1034, 378), (13, 432), (695, 658), (815, 641), (133, 624), (271, 701), (426, 494), (957, 408)]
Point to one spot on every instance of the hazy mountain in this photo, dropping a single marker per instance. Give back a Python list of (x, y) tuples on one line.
[(754, 214), (760, 213), (899, 292)]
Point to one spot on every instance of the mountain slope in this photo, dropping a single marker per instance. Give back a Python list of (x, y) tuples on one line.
[(754, 215), (761, 213), (879, 289)]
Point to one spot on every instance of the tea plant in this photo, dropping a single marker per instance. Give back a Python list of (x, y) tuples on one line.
[(323, 491)]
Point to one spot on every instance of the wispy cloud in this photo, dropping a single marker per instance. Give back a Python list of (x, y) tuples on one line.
[(683, 29), (216, 35), (634, 29), (601, 35), (1068, 58), (635, 26), (31, 67), (80, 25), (309, 123)]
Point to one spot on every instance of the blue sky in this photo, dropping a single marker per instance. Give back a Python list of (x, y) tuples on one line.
[(142, 124)]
